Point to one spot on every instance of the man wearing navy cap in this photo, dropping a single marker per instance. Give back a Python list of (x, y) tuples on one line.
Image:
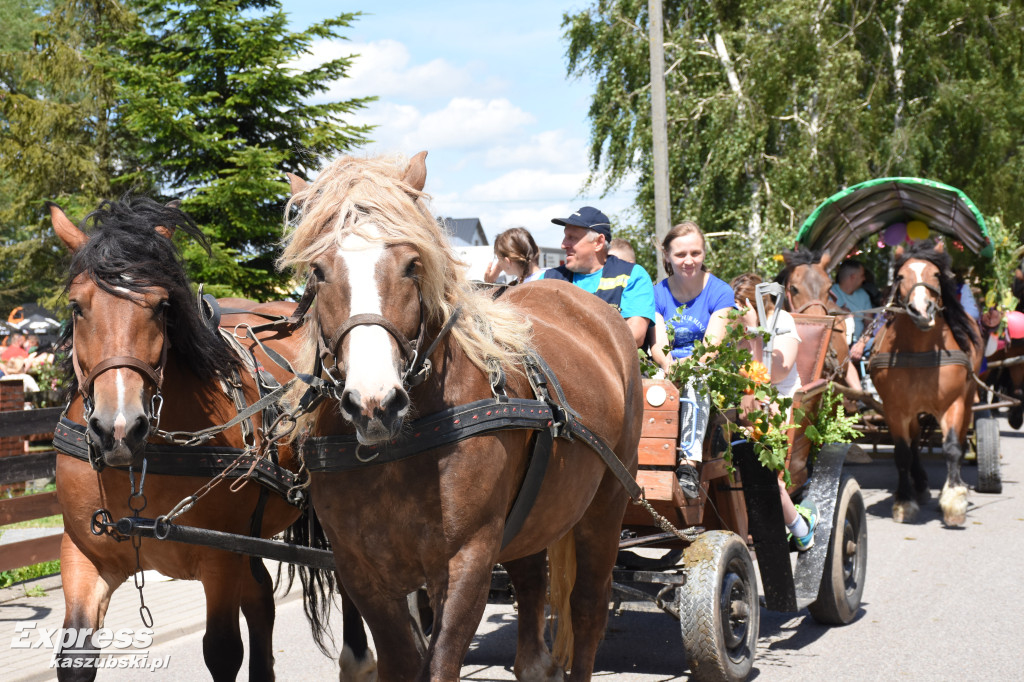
[(589, 266)]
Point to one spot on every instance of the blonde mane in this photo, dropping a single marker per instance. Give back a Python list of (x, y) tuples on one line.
[(350, 194)]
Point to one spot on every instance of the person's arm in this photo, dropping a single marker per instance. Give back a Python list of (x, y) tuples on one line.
[(663, 359), (717, 326), (784, 352), (638, 325)]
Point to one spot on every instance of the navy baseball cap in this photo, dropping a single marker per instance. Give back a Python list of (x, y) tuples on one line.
[(590, 218)]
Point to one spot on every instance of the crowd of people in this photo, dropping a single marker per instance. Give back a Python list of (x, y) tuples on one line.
[(668, 318), (22, 357)]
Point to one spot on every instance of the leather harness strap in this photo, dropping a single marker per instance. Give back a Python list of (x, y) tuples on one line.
[(184, 460), (925, 359)]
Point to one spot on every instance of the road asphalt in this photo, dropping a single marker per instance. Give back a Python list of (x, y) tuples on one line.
[(939, 604)]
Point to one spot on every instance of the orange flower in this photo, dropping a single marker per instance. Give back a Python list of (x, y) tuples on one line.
[(756, 372)]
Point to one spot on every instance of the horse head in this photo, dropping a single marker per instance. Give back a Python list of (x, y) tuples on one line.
[(807, 281), (920, 291), (369, 314), (131, 302), (118, 350)]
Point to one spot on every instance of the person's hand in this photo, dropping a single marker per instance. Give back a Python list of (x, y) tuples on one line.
[(492, 271), (857, 349)]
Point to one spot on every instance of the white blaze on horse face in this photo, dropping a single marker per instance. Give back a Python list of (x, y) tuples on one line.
[(919, 299), (119, 421), (370, 365)]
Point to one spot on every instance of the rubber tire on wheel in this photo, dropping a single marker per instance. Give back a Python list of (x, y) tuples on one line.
[(718, 608), (986, 434), (842, 581)]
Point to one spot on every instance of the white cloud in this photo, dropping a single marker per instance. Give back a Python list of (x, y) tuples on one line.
[(383, 68), (527, 184), (464, 123), (552, 148)]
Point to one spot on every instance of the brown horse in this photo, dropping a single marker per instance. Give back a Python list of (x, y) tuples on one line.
[(923, 362), (384, 273), (137, 340)]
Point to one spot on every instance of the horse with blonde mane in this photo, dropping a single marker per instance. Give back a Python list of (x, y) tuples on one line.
[(406, 495)]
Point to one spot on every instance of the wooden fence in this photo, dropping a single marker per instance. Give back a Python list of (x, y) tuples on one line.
[(17, 467)]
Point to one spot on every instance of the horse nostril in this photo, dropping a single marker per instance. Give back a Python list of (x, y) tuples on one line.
[(351, 402), (139, 431), (395, 401), (102, 434)]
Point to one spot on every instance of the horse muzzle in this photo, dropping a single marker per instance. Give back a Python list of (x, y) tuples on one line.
[(121, 441), (924, 321), (376, 418)]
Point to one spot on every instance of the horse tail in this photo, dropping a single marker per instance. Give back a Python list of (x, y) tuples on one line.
[(562, 562), (319, 586)]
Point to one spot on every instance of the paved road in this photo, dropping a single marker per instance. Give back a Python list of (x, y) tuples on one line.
[(939, 604)]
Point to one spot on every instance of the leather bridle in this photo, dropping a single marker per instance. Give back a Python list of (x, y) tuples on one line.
[(155, 375)]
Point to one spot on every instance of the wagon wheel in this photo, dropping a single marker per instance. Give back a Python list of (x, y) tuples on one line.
[(718, 608), (986, 433), (842, 581)]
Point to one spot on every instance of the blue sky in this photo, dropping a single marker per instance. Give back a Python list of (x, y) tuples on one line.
[(483, 87)]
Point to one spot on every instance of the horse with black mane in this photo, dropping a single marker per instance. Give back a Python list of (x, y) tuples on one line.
[(924, 361), (462, 431), (144, 363)]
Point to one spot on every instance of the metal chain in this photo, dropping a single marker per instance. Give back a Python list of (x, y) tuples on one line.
[(688, 534), (137, 496)]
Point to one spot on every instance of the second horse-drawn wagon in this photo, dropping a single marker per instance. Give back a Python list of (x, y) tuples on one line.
[(879, 219)]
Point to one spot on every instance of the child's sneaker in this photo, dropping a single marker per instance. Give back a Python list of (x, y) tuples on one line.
[(810, 514), (689, 480)]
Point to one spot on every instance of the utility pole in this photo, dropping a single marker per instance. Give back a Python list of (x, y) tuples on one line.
[(659, 130)]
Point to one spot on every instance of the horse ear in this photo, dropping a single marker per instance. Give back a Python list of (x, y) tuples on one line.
[(68, 232), (297, 183), (898, 252), (416, 174), (163, 230), (940, 246), (825, 259)]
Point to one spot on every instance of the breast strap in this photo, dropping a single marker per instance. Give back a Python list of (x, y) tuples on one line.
[(203, 461), (921, 360)]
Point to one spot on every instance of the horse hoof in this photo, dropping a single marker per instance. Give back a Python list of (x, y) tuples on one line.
[(953, 503), (905, 511), (355, 670), (1016, 417)]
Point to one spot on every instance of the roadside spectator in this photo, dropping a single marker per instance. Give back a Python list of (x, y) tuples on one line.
[(15, 348)]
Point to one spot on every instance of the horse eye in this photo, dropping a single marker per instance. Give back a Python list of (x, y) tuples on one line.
[(318, 273), (162, 307), (76, 310), (410, 268), (793, 290)]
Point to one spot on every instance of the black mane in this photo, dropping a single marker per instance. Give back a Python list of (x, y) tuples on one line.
[(124, 251), (964, 332)]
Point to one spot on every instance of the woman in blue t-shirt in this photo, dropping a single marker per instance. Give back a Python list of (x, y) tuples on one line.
[(695, 305)]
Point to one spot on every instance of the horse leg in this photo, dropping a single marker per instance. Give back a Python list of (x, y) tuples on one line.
[(356, 661), (533, 658), (917, 472), (257, 601), (953, 500), (458, 614), (86, 597), (904, 506), (596, 538), (222, 643)]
